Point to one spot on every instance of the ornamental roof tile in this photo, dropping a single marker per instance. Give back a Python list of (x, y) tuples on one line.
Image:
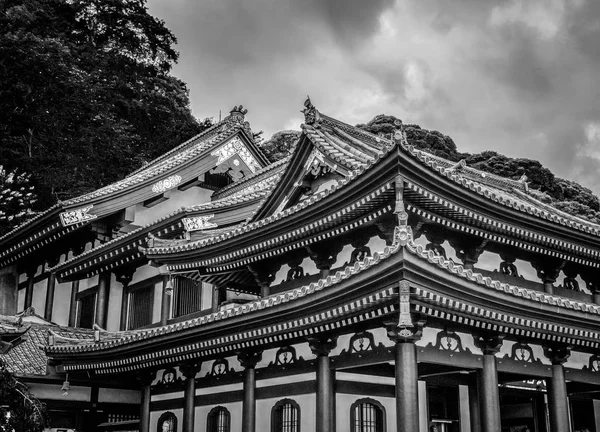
[(342, 184), (500, 191), (29, 357), (247, 194), (402, 239)]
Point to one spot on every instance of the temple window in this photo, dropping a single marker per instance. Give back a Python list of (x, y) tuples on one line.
[(141, 301), (285, 416), (86, 308), (367, 415), (167, 422), (219, 420), (187, 296)]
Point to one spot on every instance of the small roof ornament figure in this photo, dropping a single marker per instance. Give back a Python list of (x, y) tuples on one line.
[(311, 115)]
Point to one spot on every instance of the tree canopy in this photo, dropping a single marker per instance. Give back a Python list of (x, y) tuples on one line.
[(565, 195), (86, 94), (17, 199), (19, 409)]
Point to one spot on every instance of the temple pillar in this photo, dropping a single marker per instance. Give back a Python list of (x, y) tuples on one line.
[(29, 290), (124, 278), (73, 305), (165, 304), (474, 408), (325, 409), (50, 296), (468, 250), (548, 272), (189, 371), (9, 290), (324, 256), (219, 296), (592, 282), (489, 396), (249, 360), (406, 375), (102, 299), (264, 275), (145, 379), (558, 401)]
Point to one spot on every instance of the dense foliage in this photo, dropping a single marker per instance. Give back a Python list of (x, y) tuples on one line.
[(280, 145), (17, 199), (19, 409), (565, 195), (85, 92)]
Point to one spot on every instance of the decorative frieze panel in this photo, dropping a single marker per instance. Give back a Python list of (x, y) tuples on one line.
[(199, 223), (236, 146), (286, 356), (170, 378), (220, 368), (447, 340), (72, 217), (594, 364), (166, 184)]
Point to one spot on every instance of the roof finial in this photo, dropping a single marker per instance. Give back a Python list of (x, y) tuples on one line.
[(311, 115)]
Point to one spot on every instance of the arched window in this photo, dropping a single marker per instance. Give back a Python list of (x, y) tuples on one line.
[(285, 416), (367, 415), (219, 420), (167, 422)]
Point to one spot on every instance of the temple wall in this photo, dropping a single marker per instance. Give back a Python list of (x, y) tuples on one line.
[(62, 299), (114, 304), (39, 296), (9, 290), (177, 199), (119, 396), (53, 391)]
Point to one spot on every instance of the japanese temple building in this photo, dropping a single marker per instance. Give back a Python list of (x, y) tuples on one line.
[(359, 284)]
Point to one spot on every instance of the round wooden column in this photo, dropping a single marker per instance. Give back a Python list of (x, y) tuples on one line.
[(325, 408), (558, 402), (102, 299), (50, 296), (29, 290), (145, 379), (189, 371), (407, 376), (489, 396), (474, 408), (249, 360)]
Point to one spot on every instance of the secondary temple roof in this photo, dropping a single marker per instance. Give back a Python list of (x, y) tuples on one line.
[(369, 168)]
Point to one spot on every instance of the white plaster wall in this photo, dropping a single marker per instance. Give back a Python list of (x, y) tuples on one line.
[(143, 273), (307, 405), (157, 305), (119, 396), (177, 199), (53, 391), (114, 304), (39, 296), (21, 300), (88, 283), (62, 300)]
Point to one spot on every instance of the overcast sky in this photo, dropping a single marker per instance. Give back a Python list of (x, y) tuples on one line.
[(518, 76)]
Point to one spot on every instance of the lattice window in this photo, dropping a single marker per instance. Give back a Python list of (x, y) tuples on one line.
[(141, 302), (285, 416), (219, 420), (167, 422), (187, 296), (367, 415)]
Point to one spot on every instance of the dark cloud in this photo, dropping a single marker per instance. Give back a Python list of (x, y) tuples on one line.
[(518, 76)]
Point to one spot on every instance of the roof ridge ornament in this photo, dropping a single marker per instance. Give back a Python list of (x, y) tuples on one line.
[(311, 115)]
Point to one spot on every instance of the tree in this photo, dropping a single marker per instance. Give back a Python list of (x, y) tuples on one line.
[(280, 145), (565, 195), (85, 92), (19, 409), (17, 198)]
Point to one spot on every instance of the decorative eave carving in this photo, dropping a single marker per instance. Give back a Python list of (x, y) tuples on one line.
[(199, 223), (72, 217)]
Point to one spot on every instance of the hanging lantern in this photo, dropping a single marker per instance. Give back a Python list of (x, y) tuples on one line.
[(66, 386)]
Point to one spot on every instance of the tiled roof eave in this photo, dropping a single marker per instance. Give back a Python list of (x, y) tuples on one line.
[(336, 189), (471, 185)]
